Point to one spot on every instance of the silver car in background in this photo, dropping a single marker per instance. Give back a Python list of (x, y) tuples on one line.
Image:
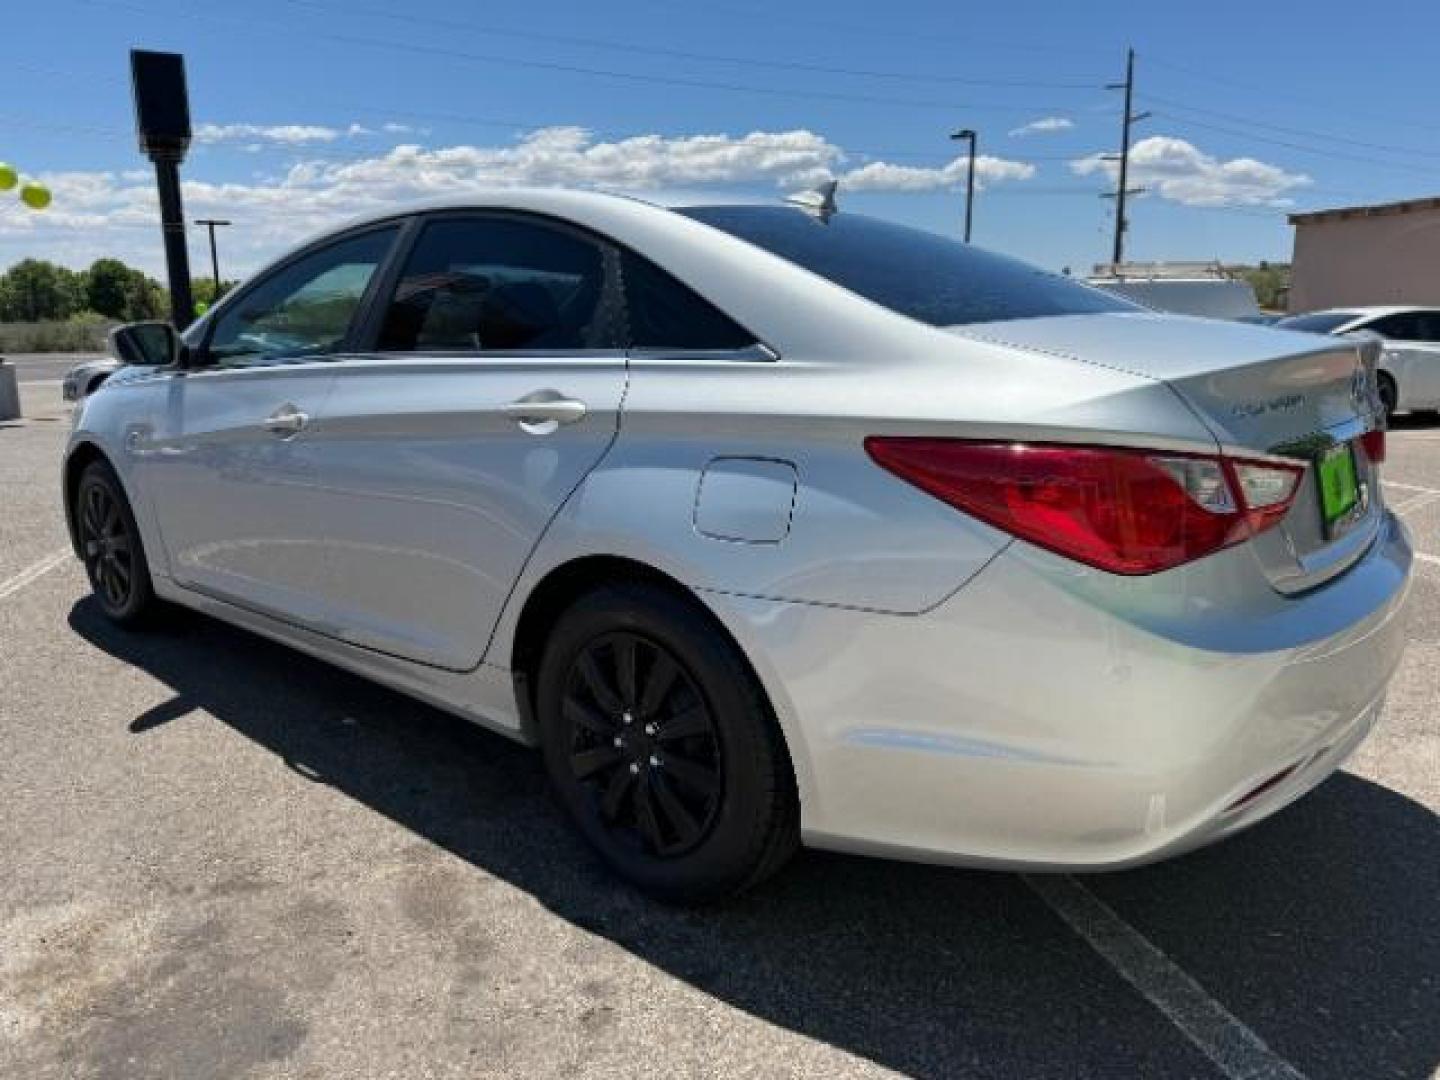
[(773, 525)]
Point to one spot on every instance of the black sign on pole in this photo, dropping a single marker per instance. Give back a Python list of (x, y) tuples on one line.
[(162, 122)]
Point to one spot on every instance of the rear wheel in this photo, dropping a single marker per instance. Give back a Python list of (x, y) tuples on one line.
[(660, 745), (110, 547)]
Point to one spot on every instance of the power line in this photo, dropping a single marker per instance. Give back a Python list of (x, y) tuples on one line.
[(1300, 147), (1331, 107), (446, 52), (1251, 122), (410, 18)]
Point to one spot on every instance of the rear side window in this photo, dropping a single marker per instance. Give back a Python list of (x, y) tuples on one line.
[(665, 314), (500, 284), (920, 274)]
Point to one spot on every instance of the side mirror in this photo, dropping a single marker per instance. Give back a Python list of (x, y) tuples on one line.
[(146, 344)]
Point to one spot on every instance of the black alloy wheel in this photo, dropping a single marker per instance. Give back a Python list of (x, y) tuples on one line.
[(644, 743), (110, 546), (661, 745)]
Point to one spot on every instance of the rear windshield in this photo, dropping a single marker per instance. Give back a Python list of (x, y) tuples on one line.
[(1318, 322), (920, 274)]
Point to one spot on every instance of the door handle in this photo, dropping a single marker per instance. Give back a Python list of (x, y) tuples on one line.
[(286, 420), (547, 411)]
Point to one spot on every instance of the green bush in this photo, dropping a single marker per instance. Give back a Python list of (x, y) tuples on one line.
[(85, 332)]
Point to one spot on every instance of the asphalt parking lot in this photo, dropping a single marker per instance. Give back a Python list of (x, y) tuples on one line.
[(221, 859)]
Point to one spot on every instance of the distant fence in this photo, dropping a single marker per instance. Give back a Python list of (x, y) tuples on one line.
[(83, 333)]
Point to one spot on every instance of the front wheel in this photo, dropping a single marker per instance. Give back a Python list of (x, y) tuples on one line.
[(660, 745), (111, 548)]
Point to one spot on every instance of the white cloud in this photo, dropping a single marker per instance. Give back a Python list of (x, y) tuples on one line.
[(1044, 126), (883, 176), (96, 213), (1176, 170), (284, 134)]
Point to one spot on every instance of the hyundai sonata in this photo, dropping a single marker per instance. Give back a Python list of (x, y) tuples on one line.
[(774, 524)]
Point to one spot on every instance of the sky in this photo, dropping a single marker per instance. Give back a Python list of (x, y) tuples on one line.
[(309, 112)]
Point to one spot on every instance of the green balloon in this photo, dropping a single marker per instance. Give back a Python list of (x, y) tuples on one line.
[(8, 176), (35, 196)]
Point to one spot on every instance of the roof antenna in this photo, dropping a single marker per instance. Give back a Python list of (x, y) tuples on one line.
[(818, 201)]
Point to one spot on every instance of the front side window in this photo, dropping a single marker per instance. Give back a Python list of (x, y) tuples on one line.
[(497, 285), (920, 274), (302, 310)]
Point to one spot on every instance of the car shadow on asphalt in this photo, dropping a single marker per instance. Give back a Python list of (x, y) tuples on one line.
[(1320, 928)]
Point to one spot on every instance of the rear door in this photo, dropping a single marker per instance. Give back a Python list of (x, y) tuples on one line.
[(230, 462), (492, 386)]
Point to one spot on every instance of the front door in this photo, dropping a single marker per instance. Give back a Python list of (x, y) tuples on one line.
[(493, 388), (230, 463)]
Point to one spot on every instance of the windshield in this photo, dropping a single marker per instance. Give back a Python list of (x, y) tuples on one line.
[(920, 274), (1318, 322)]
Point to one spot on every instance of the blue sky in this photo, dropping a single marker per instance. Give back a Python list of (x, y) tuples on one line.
[(309, 111)]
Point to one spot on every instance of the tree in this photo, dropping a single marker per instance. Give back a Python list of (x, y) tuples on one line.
[(1269, 281), (107, 287), (144, 299), (35, 290), (204, 291)]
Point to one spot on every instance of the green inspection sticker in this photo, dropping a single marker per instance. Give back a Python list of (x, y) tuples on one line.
[(1339, 489)]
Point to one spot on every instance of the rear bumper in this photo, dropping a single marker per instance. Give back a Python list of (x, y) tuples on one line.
[(1049, 717)]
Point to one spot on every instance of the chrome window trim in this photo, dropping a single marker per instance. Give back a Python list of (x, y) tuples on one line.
[(758, 352), (412, 356)]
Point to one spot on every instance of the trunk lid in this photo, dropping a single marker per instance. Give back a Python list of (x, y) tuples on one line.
[(1262, 392)]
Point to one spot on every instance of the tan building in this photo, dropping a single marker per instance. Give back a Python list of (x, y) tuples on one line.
[(1385, 254)]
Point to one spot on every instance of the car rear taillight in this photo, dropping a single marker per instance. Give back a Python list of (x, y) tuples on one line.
[(1374, 444), (1122, 510)]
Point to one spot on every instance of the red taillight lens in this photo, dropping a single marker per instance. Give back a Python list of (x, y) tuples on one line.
[(1122, 510), (1374, 444)]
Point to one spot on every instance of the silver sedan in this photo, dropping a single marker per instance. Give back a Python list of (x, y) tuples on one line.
[(774, 524)]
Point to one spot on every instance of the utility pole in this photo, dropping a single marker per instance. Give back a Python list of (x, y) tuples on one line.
[(1128, 119), (210, 224), (968, 134)]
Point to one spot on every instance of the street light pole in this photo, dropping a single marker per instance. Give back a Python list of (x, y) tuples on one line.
[(210, 224), (969, 135)]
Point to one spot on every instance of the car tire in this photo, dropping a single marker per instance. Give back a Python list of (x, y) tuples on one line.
[(1389, 395), (111, 548), (661, 746)]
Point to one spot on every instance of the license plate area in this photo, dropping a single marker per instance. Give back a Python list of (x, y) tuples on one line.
[(1342, 496)]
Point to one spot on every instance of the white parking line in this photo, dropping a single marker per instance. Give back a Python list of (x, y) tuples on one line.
[(1410, 487), (1434, 560), (10, 586), (1415, 502), (1236, 1050)]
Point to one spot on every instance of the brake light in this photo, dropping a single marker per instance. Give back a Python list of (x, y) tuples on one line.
[(1122, 510), (1374, 444)]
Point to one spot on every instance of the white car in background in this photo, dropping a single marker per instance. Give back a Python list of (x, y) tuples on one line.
[(86, 377), (1410, 361)]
